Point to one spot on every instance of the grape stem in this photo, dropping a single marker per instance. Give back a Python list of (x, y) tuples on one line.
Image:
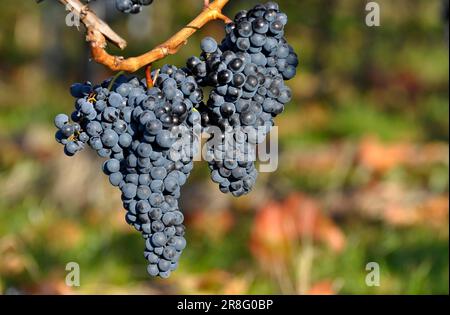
[(148, 76), (98, 34), (111, 84)]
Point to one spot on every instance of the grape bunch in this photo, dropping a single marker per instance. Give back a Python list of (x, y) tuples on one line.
[(132, 6), (147, 137), (247, 73)]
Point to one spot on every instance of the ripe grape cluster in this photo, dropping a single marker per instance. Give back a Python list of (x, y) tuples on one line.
[(147, 137), (132, 6), (247, 73)]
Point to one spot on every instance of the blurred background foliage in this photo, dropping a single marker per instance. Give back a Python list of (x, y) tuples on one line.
[(363, 172)]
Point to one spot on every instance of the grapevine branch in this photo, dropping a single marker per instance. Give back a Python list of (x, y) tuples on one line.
[(98, 32), (92, 21)]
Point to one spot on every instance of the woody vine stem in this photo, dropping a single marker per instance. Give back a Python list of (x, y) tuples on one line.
[(99, 32)]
